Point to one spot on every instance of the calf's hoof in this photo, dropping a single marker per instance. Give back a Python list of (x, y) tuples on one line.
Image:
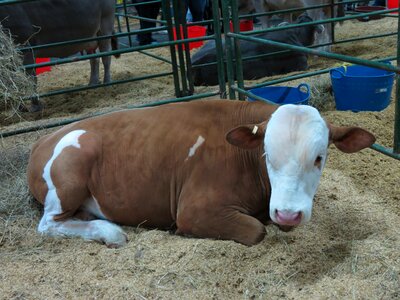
[(108, 233)]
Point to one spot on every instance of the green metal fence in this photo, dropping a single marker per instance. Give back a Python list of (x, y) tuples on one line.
[(179, 57), (232, 38), (229, 61)]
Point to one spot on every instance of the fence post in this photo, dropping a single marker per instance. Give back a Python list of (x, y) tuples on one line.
[(127, 22), (396, 139), (238, 53), (166, 8), (228, 48), (333, 15), (220, 48)]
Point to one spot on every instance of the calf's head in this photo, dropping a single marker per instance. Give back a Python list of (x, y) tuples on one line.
[(308, 34), (295, 141)]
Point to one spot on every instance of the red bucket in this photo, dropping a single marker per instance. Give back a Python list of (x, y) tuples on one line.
[(42, 69), (244, 25), (193, 31), (393, 4)]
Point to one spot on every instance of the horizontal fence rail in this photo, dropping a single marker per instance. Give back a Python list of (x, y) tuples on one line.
[(180, 58), (239, 85)]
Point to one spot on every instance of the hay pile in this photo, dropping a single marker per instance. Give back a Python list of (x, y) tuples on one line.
[(15, 84), (349, 250)]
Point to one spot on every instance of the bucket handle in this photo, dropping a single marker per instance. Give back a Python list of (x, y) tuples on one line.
[(306, 86), (337, 71)]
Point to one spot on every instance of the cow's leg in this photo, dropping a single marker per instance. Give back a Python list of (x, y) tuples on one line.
[(104, 46), (106, 28), (66, 174), (96, 230), (219, 223), (94, 71)]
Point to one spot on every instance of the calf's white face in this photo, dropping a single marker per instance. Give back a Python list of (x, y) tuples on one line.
[(295, 143)]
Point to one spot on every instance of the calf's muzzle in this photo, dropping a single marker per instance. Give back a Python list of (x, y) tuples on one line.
[(284, 217)]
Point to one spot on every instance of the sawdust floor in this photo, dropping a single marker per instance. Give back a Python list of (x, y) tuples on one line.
[(350, 249)]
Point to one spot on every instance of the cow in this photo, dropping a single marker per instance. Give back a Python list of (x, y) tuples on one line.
[(214, 168), (325, 13), (315, 14), (274, 5), (263, 66), (41, 22)]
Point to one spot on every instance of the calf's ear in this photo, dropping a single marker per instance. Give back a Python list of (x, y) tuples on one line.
[(320, 28), (247, 136), (350, 139)]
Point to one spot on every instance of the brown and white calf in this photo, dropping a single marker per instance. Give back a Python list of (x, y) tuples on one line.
[(213, 169)]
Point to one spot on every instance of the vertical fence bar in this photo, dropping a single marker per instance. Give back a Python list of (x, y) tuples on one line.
[(238, 53), (187, 77), (396, 139), (188, 73), (118, 17), (166, 8), (220, 49), (333, 15), (182, 50), (180, 30), (228, 48), (128, 28)]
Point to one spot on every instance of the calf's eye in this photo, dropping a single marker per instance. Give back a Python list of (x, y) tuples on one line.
[(318, 161)]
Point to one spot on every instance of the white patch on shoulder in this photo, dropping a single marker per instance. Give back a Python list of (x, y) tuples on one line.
[(52, 205), (199, 142)]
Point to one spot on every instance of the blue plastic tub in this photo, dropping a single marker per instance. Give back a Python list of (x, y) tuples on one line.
[(360, 88), (283, 94)]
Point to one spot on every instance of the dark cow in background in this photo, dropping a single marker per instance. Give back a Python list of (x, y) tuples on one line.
[(50, 21), (274, 5), (316, 14), (212, 169), (322, 14), (264, 66)]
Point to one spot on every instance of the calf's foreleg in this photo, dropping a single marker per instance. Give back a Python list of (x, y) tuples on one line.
[(219, 223)]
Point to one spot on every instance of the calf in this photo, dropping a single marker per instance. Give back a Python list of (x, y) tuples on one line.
[(213, 169), (41, 22), (263, 66)]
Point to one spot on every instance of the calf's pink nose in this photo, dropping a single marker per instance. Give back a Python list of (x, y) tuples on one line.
[(284, 217)]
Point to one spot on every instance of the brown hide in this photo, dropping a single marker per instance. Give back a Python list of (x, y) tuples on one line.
[(136, 164)]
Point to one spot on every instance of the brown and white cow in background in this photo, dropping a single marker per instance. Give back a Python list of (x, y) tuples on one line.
[(212, 169), (315, 14), (50, 21)]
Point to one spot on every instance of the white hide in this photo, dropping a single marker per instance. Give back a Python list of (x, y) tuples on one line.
[(52, 201), (98, 230), (92, 206), (295, 137), (199, 142)]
